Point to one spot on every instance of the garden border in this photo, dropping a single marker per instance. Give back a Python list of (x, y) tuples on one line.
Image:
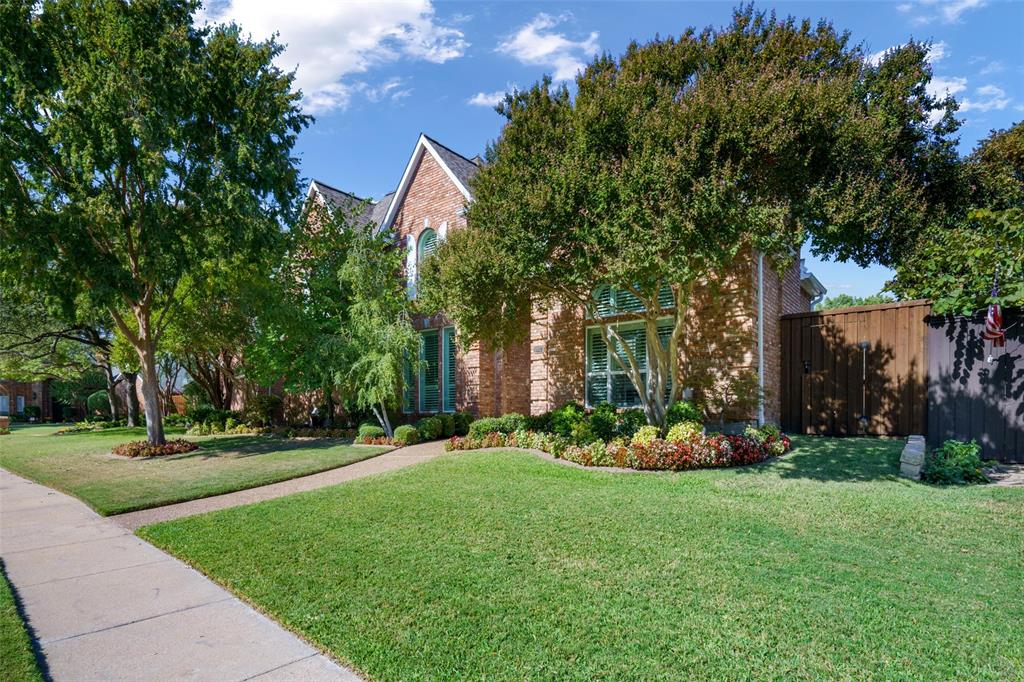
[(611, 470)]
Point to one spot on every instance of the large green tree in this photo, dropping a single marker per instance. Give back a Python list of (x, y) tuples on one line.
[(133, 147), (679, 158), (849, 301), (955, 262)]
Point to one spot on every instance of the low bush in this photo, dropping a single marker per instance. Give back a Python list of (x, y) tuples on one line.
[(263, 409), (406, 434), (447, 425), (565, 418), (954, 463), (367, 430), (684, 432), (142, 448), (86, 425), (512, 422), (175, 419), (462, 421), (481, 427), (374, 440), (98, 403), (429, 428), (645, 435), (683, 411), (33, 412)]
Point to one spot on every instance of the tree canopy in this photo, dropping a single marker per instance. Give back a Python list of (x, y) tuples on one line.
[(677, 159), (135, 146), (955, 262), (849, 301)]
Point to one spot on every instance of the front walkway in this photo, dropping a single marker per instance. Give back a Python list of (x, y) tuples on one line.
[(389, 461), (104, 605)]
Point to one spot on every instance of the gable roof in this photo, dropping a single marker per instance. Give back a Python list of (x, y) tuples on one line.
[(335, 199), (457, 167)]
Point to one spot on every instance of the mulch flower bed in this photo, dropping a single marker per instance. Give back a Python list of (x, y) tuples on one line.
[(142, 448)]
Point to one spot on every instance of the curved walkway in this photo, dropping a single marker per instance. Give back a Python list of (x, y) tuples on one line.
[(389, 461)]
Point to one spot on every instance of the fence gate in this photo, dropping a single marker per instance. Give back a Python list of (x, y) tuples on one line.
[(853, 371)]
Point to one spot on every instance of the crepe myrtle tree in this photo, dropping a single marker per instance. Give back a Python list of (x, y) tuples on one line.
[(678, 159), (133, 146)]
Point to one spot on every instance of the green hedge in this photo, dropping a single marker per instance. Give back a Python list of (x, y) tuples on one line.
[(406, 434)]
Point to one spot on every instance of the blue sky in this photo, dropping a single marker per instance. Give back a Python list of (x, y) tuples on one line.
[(376, 74)]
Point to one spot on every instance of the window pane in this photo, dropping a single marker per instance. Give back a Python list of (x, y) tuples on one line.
[(428, 243)]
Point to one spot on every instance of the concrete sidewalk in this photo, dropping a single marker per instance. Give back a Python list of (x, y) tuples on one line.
[(389, 461), (104, 605)]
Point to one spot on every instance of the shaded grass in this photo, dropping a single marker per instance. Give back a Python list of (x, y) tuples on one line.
[(499, 565), (17, 657), (81, 464)]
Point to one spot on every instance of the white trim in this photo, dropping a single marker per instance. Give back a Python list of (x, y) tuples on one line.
[(422, 144)]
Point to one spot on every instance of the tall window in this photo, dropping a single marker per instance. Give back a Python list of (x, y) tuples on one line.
[(427, 245), (430, 390), (5, 404), (20, 402), (434, 389), (606, 378)]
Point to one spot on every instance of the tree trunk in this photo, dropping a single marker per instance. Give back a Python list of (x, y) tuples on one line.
[(108, 373), (329, 405), (151, 393), (382, 417), (130, 379)]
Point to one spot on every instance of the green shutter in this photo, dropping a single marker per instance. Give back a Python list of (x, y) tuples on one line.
[(449, 369), (429, 390), (428, 244), (605, 303), (597, 368), (626, 302)]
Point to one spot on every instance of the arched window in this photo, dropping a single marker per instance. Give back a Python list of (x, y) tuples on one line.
[(427, 245)]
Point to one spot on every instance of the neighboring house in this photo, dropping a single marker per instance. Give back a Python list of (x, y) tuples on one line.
[(16, 395), (562, 357)]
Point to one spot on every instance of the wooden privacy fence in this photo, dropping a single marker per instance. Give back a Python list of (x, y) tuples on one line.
[(855, 371), (896, 370), (976, 391)]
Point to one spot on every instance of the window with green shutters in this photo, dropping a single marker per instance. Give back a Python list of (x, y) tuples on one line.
[(430, 391), (613, 301), (448, 367), (606, 379)]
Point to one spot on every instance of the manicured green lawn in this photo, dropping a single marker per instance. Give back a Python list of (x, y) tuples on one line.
[(503, 566), (81, 464), (17, 660)]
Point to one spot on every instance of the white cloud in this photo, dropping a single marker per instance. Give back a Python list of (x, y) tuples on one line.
[(491, 99), (947, 11), (994, 66), (940, 86), (988, 97), (329, 41), (904, 7), (936, 51), (536, 45)]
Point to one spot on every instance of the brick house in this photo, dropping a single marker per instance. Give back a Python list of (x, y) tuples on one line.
[(562, 357), (15, 396)]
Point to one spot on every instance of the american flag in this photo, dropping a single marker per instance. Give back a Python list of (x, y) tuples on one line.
[(994, 331)]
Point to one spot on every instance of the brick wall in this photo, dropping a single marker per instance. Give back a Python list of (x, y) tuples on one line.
[(718, 356), (33, 392)]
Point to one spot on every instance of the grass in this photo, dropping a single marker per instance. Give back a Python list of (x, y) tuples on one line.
[(824, 564), (81, 464), (16, 653)]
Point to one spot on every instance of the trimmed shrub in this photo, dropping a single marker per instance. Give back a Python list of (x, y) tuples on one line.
[(630, 421), (684, 411), (367, 430), (954, 463), (511, 422), (33, 412), (481, 427), (603, 422), (430, 428), (462, 421), (98, 403), (406, 434), (447, 425), (142, 448), (583, 433)]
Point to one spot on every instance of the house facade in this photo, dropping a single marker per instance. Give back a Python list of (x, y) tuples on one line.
[(15, 396), (736, 334)]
